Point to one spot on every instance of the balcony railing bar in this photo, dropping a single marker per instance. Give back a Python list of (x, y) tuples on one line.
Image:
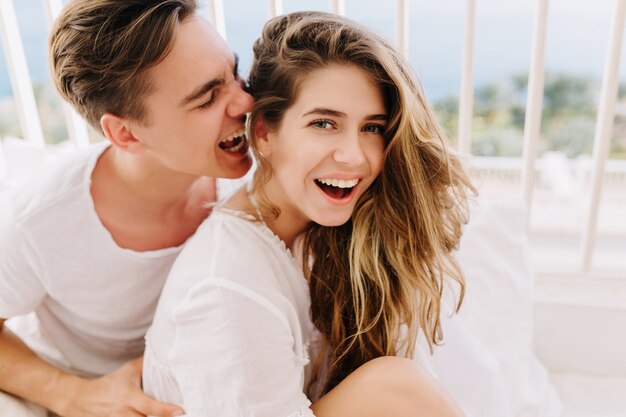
[(217, 17), (466, 96), (276, 8), (534, 103), (338, 7), (402, 26), (19, 75), (76, 126), (604, 128)]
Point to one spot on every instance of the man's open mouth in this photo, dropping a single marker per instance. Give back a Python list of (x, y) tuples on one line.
[(336, 188), (237, 142)]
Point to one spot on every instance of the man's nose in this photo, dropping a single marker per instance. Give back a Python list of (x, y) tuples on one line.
[(241, 102)]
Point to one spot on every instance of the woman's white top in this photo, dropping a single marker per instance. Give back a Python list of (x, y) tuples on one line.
[(231, 333)]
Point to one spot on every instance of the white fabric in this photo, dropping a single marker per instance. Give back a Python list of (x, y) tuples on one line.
[(93, 301), (231, 333), (487, 362), (587, 395), (11, 406)]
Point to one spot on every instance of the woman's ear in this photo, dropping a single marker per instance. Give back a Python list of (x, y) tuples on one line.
[(262, 139), (118, 130)]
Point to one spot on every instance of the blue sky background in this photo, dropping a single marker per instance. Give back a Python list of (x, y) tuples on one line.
[(577, 36)]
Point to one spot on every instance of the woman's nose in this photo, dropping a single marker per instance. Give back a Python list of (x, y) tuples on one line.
[(349, 151)]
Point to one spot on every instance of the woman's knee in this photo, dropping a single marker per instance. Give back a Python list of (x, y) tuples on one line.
[(402, 381), (386, 386), (392, 373)]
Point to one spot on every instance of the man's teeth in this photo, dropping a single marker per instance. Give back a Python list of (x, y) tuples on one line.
[(235, 141), (240, 133), (237, 147), (339, 183)]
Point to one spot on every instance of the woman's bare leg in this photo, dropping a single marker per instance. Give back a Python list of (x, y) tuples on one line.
[(387, 386)]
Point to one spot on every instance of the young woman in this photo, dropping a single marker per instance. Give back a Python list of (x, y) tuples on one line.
[(355, 182)]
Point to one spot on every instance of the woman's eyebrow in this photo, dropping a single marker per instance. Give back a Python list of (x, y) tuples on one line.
[(323, 111)]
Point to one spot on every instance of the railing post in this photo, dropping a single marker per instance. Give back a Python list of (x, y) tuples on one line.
[(216, 15), (604, 128), (276, 8), (402, 26), (534, 102), (20, 78), (76, 126), (466, 97), (338, 7)]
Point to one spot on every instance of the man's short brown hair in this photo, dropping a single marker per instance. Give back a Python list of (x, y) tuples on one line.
[(100, 49)]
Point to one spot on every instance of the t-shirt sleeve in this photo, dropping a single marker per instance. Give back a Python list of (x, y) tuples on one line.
[(234, 355), (21, 289)]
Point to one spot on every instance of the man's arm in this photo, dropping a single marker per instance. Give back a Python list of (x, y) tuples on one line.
[(24, 374)]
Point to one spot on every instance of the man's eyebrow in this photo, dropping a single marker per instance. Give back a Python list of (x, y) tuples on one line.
[(205, 88), (201, 90), (335, 113)]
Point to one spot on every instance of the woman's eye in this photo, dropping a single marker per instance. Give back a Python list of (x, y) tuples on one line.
[(323, 124), (374, 128)]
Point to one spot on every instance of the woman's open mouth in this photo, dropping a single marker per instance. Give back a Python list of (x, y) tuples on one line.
[(336, 188)]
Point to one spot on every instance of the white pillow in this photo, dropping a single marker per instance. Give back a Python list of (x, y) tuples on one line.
[(487, 362)]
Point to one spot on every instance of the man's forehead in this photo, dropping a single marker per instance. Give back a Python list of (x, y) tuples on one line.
[(199, 32), (198, 52)]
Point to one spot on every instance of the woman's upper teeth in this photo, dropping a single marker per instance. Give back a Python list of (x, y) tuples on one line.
[(339, 183)]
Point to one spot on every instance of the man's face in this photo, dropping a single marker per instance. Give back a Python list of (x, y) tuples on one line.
[(195, 114)]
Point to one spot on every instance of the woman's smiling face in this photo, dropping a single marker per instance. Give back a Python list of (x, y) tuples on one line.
[(328, 148)]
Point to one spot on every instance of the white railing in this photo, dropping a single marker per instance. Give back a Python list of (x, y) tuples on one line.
[(402, 26), (526, 167), (20, 77), (466, 96), (76, 126), (216, 15), (604, 127), (534, 103)]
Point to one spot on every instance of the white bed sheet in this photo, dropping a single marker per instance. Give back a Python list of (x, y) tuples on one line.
[(487, 361)]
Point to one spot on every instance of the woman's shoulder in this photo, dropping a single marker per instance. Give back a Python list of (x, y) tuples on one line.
[(231, 249), (217, 234)]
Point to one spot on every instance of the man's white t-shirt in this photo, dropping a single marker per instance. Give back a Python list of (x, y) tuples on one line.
[(93, 300)]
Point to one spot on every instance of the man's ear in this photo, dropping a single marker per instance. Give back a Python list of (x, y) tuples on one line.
[(117, 129), (262, 139)]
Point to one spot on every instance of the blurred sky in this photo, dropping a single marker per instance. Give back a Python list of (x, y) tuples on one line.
[(578, 32)]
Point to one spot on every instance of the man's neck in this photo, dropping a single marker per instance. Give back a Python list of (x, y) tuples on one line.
[(145, 205), (146, 183)]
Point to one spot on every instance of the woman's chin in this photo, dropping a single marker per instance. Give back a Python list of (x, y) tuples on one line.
[(333, 221)]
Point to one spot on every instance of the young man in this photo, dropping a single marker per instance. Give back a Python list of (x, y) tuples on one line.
[(87, 244)]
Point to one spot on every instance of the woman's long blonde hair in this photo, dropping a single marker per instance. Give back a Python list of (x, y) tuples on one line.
[(376, 281)]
